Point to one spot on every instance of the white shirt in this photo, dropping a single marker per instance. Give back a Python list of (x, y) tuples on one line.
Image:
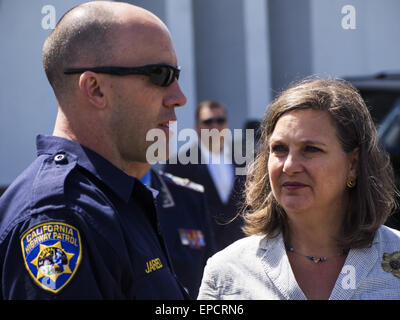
[(257, 268), (221, 170)]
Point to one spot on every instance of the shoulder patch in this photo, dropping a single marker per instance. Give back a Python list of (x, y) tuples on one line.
[(184, 182), (52, 252)]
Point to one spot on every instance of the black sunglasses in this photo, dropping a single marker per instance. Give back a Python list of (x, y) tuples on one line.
[(160, 74), (219, 120)]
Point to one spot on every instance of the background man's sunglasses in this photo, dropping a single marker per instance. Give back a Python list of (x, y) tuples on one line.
[(219, 120), (160, 74)]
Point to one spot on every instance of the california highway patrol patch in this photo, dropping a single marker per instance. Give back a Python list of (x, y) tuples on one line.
[(52, 252)]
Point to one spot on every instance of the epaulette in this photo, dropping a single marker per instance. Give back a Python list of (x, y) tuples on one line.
[(183, 182), (55, 169)]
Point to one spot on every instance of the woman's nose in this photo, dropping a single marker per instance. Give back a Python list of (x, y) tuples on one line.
[(292, 164)]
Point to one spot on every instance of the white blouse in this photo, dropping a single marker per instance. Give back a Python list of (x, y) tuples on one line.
[(257, 268)]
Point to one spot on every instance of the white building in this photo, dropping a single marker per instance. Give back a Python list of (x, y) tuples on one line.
[(240, 52)]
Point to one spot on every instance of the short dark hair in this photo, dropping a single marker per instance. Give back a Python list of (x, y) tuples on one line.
[(78, 42), (212, 104), (373, 198)]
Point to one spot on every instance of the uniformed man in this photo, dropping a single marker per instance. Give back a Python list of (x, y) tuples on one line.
[(74, 224), (184, 223)]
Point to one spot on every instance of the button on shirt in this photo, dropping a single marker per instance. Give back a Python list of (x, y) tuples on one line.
[(73, 226)]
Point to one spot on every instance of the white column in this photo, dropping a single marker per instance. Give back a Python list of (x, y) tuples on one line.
[(257, 57), (180, 23)]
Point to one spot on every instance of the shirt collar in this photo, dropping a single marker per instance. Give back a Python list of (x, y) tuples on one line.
[(165, 198), (146, 180), (116, 179)]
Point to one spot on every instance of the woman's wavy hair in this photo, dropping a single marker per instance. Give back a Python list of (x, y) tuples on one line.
[(372, 200)]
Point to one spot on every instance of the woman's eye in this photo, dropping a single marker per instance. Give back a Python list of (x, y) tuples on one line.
[(312, 149), (278, 148)]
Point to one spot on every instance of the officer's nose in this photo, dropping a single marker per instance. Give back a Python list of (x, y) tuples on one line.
[(175, 96)]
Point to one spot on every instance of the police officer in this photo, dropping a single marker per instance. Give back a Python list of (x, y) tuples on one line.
[(74, 224), (184, 223)]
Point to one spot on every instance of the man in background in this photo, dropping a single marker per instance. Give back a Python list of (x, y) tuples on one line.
[(215, 170)]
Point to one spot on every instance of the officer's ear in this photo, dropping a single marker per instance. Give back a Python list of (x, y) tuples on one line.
[(90, 87)]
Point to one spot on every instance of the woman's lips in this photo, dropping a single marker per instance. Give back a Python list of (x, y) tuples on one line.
[(293, 185)]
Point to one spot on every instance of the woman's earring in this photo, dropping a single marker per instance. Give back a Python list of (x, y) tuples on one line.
[(351, 182)]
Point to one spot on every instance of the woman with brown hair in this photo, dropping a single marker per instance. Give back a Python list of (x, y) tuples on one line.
[(317, 196)]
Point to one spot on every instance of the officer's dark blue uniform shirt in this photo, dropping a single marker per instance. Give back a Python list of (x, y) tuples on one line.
[(185, 224), (73, 226)]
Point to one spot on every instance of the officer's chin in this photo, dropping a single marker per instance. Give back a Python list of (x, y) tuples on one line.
[(157, 152)]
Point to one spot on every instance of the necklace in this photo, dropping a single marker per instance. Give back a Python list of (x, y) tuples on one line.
[(312, 258)]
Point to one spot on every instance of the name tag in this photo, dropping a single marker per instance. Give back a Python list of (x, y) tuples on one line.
[(153, 265)]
